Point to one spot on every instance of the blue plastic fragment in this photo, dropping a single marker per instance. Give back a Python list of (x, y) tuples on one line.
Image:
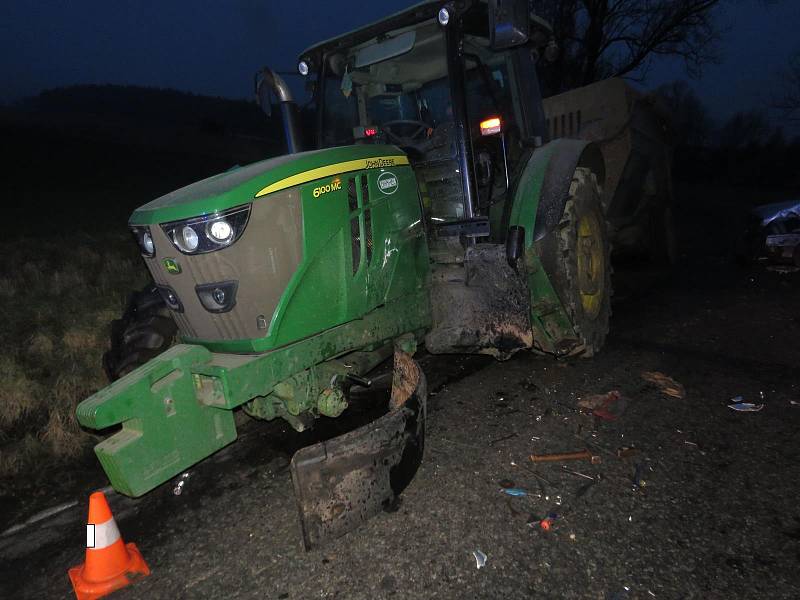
[(514, 491)]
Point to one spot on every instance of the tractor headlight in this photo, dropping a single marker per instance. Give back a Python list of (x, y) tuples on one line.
[(207, 233), (145, 241)]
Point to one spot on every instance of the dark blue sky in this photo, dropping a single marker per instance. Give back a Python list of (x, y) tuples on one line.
[(214, 48)]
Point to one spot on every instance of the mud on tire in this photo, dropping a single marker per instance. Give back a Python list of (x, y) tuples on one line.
[(577, 257), (145, 330)]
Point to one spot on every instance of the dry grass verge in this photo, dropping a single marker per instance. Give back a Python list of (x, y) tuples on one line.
[(57, 299)]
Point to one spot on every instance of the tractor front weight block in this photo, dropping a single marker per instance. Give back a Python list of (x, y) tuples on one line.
[(166, 428)]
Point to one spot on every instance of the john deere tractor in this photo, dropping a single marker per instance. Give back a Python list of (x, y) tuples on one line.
[(432, 211)]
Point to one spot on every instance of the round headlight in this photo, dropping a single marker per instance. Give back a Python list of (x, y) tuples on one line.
[(220, 231), (302, 67), (147, 243), (444, 16), (188, 239)]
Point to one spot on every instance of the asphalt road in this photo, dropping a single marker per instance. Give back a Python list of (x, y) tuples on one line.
[(715, 513)]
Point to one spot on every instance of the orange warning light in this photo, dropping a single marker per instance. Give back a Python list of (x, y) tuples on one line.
[(490, 126)]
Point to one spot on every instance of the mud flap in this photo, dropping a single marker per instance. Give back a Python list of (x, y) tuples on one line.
[(342, 482)]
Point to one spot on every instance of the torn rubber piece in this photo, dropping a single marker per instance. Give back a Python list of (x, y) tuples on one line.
[(342, 482)]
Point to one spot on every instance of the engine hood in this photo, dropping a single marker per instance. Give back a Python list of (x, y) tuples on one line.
[(245, 184)]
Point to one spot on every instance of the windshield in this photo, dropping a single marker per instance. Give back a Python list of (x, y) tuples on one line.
[(409, 88)]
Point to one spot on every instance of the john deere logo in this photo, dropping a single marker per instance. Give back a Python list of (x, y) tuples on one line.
[(172, 266), (387, 183)]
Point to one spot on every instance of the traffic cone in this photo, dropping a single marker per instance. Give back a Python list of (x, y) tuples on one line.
[(110, 564)]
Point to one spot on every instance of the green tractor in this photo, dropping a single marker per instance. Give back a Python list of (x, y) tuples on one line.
[(433, 211)]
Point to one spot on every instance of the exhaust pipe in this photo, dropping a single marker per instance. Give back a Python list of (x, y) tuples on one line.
[(268, 81)]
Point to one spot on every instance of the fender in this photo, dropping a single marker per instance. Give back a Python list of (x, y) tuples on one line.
[(543, 188)]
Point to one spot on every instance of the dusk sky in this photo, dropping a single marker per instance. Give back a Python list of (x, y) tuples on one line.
[(214, 47)]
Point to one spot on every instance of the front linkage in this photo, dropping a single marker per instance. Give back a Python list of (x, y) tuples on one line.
[(177, 409)]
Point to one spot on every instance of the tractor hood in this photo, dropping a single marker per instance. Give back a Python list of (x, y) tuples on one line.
[(241, 185)]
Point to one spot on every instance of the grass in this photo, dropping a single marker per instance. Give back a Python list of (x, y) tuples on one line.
[(58, 296)]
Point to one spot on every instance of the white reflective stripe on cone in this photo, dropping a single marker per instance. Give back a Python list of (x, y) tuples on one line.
[(101, 535)]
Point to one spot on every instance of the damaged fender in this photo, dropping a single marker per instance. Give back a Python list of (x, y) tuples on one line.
[(342, 482)]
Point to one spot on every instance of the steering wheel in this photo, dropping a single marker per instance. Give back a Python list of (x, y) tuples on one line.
[(419, 133)]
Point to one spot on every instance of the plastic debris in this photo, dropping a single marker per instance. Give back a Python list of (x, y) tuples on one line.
[(480, 559), (740, 406), (665, 383), (512, 491), (608, 406), (545, 523)]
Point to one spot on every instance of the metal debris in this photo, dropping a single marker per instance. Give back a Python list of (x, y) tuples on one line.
[(577, 473), (582, 455)]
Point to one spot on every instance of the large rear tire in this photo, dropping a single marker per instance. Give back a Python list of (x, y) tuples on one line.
[(145, 330), (577, 257)]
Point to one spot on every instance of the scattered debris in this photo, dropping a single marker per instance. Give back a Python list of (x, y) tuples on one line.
[(638, 482), (543, 523), (178, 489), (665, 383), (516, 492), (582, 455), (739, 406), (794, 402), (480, 558), (577, 473), (608, 406), (626, 451)]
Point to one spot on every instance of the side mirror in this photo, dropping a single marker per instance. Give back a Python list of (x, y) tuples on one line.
[(509, 23)]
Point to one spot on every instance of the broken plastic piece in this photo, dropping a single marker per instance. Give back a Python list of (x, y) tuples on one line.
[(608, 406), (480, 559), (512, 491), (745, 406)]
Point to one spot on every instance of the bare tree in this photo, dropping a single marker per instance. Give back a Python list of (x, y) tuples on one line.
[(744, 129), (608, 38), (788, 101), (691, 123)]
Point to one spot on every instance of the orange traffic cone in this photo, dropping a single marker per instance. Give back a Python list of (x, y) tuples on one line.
[(110, 564)]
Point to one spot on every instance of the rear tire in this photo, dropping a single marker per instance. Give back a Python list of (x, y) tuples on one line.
[(578, 259), (145, 330)]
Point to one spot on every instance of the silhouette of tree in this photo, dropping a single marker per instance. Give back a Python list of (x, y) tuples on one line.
[(612, 38)]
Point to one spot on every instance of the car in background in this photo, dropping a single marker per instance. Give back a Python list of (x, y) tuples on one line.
[(772, 233)]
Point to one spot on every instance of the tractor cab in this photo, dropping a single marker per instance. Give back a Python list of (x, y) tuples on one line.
[(451, 92)]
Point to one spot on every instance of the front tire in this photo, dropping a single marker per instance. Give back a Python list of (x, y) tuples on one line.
[(577, 256), (145, 330)]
